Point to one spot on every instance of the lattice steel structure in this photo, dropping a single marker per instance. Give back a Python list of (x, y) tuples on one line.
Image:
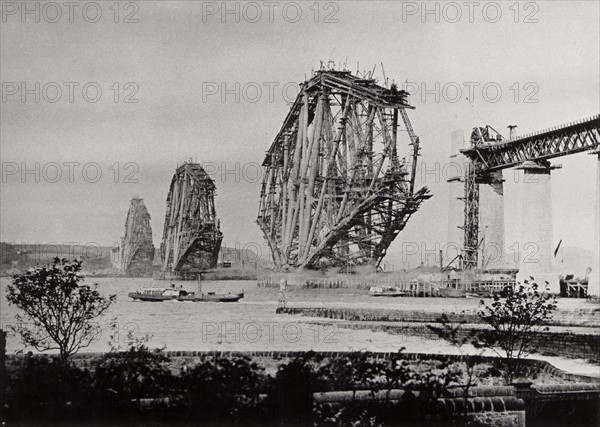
[(489, 153), (335, 191), (192, 236), (136, 249), (575, 137)]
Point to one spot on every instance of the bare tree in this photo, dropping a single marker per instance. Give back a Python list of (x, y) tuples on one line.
[(59, 311)]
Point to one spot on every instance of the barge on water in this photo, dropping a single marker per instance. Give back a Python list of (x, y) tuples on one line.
[(386, 291)]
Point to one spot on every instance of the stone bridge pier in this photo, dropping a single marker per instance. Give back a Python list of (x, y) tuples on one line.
[(491, 222), (536, 246)]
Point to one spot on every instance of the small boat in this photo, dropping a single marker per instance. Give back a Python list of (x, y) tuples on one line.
[(169, 294), (451, 292), (388, 291), (155, 294), (211, 297)]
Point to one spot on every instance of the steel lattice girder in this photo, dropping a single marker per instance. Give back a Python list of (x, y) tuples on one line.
[(471, 226), (335, 191), (137, 250), (191, 236), (568, 139), (487, 157)]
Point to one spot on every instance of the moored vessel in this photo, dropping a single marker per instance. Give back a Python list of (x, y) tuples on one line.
[(387, 291)]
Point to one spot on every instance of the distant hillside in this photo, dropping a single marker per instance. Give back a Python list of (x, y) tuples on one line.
[(19, 256), (96, 259)]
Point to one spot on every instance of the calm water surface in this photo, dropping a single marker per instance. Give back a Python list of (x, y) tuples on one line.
[(250, 324)]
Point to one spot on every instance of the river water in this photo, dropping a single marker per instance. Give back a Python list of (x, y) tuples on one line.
[(251, 324)]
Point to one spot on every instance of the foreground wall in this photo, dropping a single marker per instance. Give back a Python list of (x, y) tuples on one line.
[(561, 340)]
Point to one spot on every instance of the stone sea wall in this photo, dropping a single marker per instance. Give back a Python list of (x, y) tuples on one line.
[(583, 344), (588, 317)]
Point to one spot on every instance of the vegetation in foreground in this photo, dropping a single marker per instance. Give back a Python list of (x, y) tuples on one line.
[(59, 310), (515, 317), (139, 387), (136, 386)]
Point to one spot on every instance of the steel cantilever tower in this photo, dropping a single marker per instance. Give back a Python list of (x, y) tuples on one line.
[(335, 190), (136, 249), (192, 236)]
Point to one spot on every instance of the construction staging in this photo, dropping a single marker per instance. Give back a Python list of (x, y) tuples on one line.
[(135, 253), (337, 188), (488, 154), (191, 236)]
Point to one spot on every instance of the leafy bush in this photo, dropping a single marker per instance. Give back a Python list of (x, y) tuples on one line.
[(516, 316), (364, 371), (224, 390), (290, 393), (45, 390), (133, 374), (59, 310)]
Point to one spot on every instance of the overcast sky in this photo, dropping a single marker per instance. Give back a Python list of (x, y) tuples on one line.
[(179, 56)]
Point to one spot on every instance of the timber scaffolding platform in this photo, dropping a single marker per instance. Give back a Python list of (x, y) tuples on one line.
[(336, 192)]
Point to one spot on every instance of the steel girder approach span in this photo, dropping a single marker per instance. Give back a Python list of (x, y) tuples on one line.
[(192, 236), (336, 192), (489, 153), (137, 249)]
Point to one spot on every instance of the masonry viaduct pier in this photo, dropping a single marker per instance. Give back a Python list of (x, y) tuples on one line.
[(489, 153)]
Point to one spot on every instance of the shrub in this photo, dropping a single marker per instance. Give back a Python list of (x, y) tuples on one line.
[(46, 390), (364, 371), (224, 390), (59, 311), (516, 316), (290, 393), (133, 374)]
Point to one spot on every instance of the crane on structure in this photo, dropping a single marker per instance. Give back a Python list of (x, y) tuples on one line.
[(489, 153)]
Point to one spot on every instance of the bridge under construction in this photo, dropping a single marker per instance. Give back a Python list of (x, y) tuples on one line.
[(135, 253), (489, 153), (337, 188), (191, 236)]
